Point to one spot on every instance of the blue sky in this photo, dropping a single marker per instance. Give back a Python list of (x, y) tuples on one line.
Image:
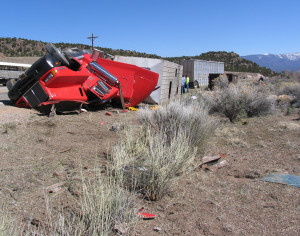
[(162, 27)]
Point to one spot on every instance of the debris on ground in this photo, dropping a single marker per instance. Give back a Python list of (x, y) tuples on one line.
[(247, 174), (115, 127), (57, 174), (55, 187), (154, 107), (144, 215), (213, 162), (36, 222), (108, 114), (221, 164), (209, 159), (292, 180), (121, 228), (157, 229), (75, 188), (133, 109), (65, 150)]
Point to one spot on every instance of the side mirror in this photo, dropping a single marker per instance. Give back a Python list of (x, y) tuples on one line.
[(96, 54)]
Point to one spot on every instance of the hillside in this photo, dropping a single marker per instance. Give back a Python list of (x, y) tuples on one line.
[(18, 47)]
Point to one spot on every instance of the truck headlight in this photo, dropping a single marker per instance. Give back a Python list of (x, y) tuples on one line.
[(50, 76)]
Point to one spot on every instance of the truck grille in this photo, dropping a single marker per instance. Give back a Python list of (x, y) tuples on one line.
[(36, 95)]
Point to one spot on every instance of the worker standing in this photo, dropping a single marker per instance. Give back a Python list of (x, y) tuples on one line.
[(187, 84), (183, 80)]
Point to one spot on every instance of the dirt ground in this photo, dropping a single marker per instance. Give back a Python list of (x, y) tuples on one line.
[(38, 151)]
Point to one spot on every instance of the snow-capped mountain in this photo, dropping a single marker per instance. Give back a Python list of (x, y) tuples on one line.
[(277, 62)]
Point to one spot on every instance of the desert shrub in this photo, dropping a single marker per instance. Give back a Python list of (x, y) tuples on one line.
[(150, 163), (221, 82), (187, 116), (236, 101), (291, 89), (164, 148), (256, 102), (228, 102)]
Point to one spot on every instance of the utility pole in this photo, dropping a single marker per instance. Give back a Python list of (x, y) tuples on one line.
[(92, 38)]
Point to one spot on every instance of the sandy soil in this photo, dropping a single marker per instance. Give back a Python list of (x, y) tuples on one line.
[(38, 151), (234, 200)]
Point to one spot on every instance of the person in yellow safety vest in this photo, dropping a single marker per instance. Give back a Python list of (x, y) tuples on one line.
[(187, 83)]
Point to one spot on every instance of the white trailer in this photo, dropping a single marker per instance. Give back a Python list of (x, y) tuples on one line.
[(169, 80), (9, 70), (200, 70)]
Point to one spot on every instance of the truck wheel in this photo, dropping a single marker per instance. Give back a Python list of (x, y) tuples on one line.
[(55, 52), (13, 93), (10, 83), (196, 84)]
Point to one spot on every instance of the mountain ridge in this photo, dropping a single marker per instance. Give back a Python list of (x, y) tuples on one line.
[(277, 62)]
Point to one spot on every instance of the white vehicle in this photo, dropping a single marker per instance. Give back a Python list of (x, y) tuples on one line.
[(9, 70)]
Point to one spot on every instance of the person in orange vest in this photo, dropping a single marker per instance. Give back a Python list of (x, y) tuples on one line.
[(187, 83)]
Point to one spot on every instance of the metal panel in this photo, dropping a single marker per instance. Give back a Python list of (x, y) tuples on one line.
[(172, 72), (199, 69), (10, 74)]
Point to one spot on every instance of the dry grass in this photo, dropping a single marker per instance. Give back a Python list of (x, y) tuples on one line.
[(6, 127), (104, 205), (165, 147), (6, 223), (149, 164)]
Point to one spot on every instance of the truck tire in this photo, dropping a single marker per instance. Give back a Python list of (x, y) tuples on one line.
[(55, 52), (196, 84), (10, 83), (14, 93)]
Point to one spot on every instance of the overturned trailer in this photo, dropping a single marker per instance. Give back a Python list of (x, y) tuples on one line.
[(169, 81), (66, 80)]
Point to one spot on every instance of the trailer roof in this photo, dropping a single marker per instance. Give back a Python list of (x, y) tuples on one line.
[(14, 64), (203, 61)]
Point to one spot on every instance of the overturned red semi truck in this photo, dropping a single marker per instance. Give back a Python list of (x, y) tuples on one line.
[(66, 80)]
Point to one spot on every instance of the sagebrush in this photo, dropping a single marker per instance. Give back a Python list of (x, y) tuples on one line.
[(164, 148), (237, 101)]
